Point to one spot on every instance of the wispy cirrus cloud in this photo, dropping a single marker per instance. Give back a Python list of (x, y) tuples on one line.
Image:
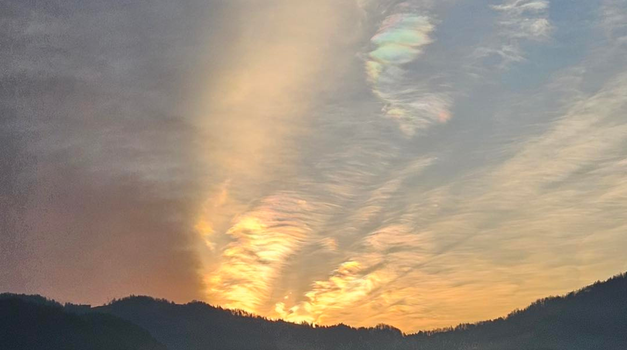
[(519, 21), (400, 39), (262, 240), (396, 244), (508, 225), (613, 19), (236, 152)]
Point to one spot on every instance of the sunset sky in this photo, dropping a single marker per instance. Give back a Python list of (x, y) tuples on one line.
[(417, 163)]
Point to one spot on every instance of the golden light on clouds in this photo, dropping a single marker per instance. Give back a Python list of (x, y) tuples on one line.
[(261, 241), (263, 95), (359, 161), (359, 234)]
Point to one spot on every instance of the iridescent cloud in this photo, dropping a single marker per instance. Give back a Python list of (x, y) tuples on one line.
[(400, 40)]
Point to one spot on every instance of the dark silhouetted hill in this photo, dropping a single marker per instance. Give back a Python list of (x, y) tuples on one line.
[(36, 323), (593, 318), (200, 326)]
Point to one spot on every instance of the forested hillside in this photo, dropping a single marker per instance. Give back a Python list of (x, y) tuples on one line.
[(592, 318)]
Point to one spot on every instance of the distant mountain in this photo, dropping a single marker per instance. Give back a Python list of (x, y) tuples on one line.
[(593, 318), (200, 326), (36, 323)]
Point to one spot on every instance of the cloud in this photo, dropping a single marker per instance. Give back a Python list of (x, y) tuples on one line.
[(613, 19), (262, 240), (519, 22), (235, 152), (100, 186), (534, 221), (257, 112), (400, 39), (522, 19), (509, 225)]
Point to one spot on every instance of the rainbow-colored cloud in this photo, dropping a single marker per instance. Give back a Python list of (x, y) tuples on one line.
[(400, 40)]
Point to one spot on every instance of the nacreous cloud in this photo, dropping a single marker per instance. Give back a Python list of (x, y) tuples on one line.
[(400, 40)]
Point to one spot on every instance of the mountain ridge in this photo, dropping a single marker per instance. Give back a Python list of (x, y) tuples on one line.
[(31, 322), (593, 317)]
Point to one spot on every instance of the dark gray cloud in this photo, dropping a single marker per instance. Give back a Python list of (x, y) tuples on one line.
[(98, 178)]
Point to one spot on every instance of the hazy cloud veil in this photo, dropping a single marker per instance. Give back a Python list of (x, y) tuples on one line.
[(370, 161)]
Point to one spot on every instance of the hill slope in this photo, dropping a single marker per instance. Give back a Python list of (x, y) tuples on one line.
[(592, 318), (37, 323), (201, 326)]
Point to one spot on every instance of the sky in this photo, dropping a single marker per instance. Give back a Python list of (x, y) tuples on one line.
[(416, 163)]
